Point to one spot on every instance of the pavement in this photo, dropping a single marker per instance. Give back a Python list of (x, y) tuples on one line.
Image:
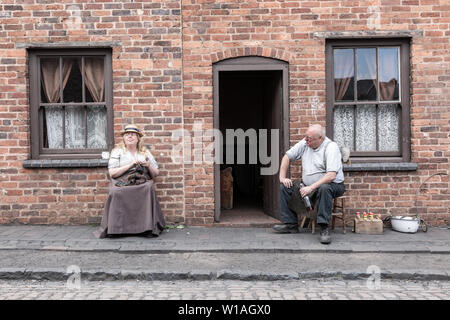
[(216, 253)]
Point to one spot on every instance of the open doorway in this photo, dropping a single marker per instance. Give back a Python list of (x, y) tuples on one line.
[(250, 97)]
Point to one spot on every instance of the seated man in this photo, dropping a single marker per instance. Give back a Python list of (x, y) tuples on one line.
[(322, 176)]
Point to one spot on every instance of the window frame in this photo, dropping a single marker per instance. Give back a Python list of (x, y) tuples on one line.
[(36, 118), (404, 154)]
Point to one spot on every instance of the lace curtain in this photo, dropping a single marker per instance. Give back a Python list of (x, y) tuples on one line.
[(366, 119), (75, 130), (343, 126), (366, 131), (388, 127)]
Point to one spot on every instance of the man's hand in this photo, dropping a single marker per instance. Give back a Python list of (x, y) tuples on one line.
[(283, 172), (306, 190), (327, 178), (286, 182)]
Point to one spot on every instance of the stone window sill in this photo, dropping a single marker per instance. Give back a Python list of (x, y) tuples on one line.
[(51, 163), (382, 166), (94, 163)]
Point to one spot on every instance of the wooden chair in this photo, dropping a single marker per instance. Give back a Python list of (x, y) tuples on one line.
[(339, 202), (312, 218), (338, 211), (312, 223)]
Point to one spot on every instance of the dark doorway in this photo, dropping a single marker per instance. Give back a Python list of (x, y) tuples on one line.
[(250, 98)]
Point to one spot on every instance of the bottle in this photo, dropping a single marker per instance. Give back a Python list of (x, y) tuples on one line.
[(358, 216), (379, 216), (371, 216), (306, 200), (307, 203), (364, 216)]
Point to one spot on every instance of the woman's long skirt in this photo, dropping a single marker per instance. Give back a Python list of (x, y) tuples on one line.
[(131, 210)]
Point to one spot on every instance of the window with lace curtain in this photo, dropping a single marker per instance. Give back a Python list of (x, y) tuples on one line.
[(368, 98), (71, 103)]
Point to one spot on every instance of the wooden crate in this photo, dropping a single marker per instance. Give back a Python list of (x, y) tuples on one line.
[(368, 227)]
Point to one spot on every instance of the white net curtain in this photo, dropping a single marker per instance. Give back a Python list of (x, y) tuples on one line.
[(388, 130), (74, 124)]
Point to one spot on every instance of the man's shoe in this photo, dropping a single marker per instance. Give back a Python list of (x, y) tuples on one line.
[(286, 228), (325, 237)]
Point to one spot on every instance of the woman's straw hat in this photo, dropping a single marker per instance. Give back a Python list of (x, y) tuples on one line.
[(131, 128)]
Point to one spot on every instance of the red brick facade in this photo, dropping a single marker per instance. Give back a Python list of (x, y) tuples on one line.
[(163, 52)]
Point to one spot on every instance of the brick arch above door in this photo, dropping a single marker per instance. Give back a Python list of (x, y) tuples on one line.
[(274, 53)]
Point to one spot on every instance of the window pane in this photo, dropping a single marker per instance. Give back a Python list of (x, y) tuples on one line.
[(96, 122), (343, 126), (53, 128), (388, 73), (94, 79), (72, 81), (75, 127), (388, 119), (366, 117), (366, 66), (50, 80), (343, 74), (88, 96)]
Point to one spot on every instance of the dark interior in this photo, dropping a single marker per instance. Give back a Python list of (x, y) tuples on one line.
[(246, 100)]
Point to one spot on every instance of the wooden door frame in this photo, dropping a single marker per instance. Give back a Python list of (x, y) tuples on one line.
[(249, 63)]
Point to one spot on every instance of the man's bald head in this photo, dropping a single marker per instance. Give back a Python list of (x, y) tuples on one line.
[(315, 136), (316, 129)]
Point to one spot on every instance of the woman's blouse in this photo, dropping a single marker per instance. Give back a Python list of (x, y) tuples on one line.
[(120, 158)]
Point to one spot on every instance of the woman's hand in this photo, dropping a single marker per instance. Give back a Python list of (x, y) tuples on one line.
[(153, 171), (286, 182), (117, 172), (144, 163)]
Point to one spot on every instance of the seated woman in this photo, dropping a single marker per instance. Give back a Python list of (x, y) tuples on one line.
[(132, 206)]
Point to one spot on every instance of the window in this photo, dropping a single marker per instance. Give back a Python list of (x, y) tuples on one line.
[(368, 98), (71, 103)]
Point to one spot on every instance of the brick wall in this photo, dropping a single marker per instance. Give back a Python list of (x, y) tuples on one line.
[(145, 37), (291, 31), (163, 53)]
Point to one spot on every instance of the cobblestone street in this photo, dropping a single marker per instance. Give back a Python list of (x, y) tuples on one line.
[(324, 289)]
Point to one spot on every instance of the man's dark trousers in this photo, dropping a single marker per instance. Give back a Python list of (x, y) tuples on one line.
[(322, 197)]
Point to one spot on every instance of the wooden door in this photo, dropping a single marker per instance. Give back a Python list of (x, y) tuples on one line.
[(273, 113)]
